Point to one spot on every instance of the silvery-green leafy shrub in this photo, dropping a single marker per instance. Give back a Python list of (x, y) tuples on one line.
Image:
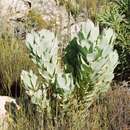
[(91, 60), (88, 71), (43, 47)]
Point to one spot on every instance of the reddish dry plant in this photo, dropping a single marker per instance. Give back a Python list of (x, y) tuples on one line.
[(112, 112)]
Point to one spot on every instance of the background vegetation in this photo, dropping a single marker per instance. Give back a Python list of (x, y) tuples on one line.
[(109, 110)]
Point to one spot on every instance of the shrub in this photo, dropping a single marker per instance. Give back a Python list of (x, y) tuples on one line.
[(123, 5), (89, 65), (110, 16), (115, 15), (111, 111), (92, 66)]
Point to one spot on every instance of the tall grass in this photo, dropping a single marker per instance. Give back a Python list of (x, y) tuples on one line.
[(13, 59)]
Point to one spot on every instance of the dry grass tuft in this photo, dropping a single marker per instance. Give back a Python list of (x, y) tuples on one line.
[(13, 59)]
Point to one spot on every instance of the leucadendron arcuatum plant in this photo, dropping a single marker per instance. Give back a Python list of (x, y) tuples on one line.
[(89, 62), (94, 60), (43, 47)]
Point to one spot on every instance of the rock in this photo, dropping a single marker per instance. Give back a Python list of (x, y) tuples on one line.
[(4, 100), (56, 16), (52, 12), (12, 13), (13, 9)]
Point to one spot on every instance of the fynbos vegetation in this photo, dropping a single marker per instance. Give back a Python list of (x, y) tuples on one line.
[(84, 78), (65, 64)]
